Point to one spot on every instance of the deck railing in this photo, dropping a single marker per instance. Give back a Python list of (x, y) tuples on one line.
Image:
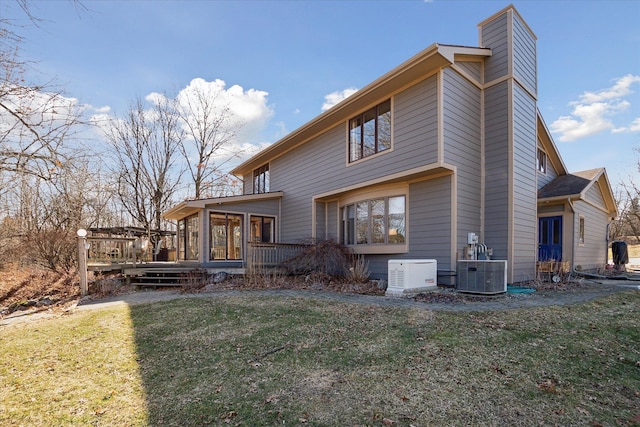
[(112, 250), (264, 256)]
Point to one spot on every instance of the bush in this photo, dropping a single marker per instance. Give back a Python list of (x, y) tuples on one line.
[(56, 250), (359, 270), (324, 256)]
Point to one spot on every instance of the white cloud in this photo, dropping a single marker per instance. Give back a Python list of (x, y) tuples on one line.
[(248, 109), (594, 112), (335, 97), (620, 89), (633, 127)]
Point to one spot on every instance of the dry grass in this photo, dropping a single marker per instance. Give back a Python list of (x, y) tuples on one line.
[(24, 288), (74, 370), (301, 361)]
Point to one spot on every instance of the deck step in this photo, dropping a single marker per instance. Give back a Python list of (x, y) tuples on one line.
[(171, 284)]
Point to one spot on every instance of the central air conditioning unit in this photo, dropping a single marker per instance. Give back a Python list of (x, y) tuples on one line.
[(410, 276), (481, 276)]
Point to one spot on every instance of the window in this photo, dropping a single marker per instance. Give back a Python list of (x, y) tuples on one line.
[(262, 229), (226, 236), (370, 132), (581, 231), (188, 238), (261, 180), (541, 161), (379, 221)]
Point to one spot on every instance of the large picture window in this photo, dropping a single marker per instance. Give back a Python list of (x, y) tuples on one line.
[(379, 221), (370, 132), (226, 236)]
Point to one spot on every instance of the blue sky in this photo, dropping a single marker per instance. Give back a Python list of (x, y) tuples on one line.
[(280, 60)]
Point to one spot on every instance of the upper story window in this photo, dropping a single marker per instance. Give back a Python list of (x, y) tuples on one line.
[(261, 179), (370, 132), (541, 161)]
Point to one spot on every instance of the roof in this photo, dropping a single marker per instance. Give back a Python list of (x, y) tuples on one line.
[(190, 207), (575, 186), (564, 186), (417, 68)]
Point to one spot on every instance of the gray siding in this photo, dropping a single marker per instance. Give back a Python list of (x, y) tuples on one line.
[(496, 228), (524, 185), (545, 178), (494, 35), (430, 221), (524, 57), (333, 221), (462, 148), (593, 253), (319, 166), (473, 69), (594, 195)]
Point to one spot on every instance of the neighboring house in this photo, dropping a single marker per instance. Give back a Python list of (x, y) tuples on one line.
[(448, 143)]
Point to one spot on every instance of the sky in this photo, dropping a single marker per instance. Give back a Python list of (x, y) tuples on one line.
[(280, 63)]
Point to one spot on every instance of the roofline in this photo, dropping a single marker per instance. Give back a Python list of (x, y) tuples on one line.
[(418, 67), (502, 12), (189, 207), (547, 140)]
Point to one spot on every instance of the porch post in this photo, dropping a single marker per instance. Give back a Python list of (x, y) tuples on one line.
[(82, 260)]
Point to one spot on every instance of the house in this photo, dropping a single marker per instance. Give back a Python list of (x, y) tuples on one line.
[(448, 143)]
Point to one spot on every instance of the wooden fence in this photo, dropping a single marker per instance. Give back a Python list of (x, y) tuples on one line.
[(265, 256)]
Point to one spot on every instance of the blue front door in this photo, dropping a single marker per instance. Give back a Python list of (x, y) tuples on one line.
[(550, 238)]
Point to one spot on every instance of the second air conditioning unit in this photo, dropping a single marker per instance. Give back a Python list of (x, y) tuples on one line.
[(481, 276)]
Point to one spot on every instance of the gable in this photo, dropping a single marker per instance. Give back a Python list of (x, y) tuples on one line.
[(591, 186)]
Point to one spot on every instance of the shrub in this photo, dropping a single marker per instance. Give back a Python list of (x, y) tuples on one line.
[(323, 256), (359, 270)]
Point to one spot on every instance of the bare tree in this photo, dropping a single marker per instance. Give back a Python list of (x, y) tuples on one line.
[(628, 198), (35, 120), (210, 130), (145, 146), (40, 204)]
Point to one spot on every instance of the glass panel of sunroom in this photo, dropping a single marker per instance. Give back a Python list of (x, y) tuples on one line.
[(218, 237)]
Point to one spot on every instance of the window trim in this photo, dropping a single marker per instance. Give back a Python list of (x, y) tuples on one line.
[(361, 117), (581, 230)]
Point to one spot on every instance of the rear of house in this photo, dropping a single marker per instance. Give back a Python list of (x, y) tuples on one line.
[(446, 144)]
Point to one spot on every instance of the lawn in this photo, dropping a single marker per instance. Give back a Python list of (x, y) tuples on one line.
[(253, 361)]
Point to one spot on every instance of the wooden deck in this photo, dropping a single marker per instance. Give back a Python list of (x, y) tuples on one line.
[(110, 254)]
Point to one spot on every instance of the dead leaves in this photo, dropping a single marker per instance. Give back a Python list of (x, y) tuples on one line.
[(548, 385)]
